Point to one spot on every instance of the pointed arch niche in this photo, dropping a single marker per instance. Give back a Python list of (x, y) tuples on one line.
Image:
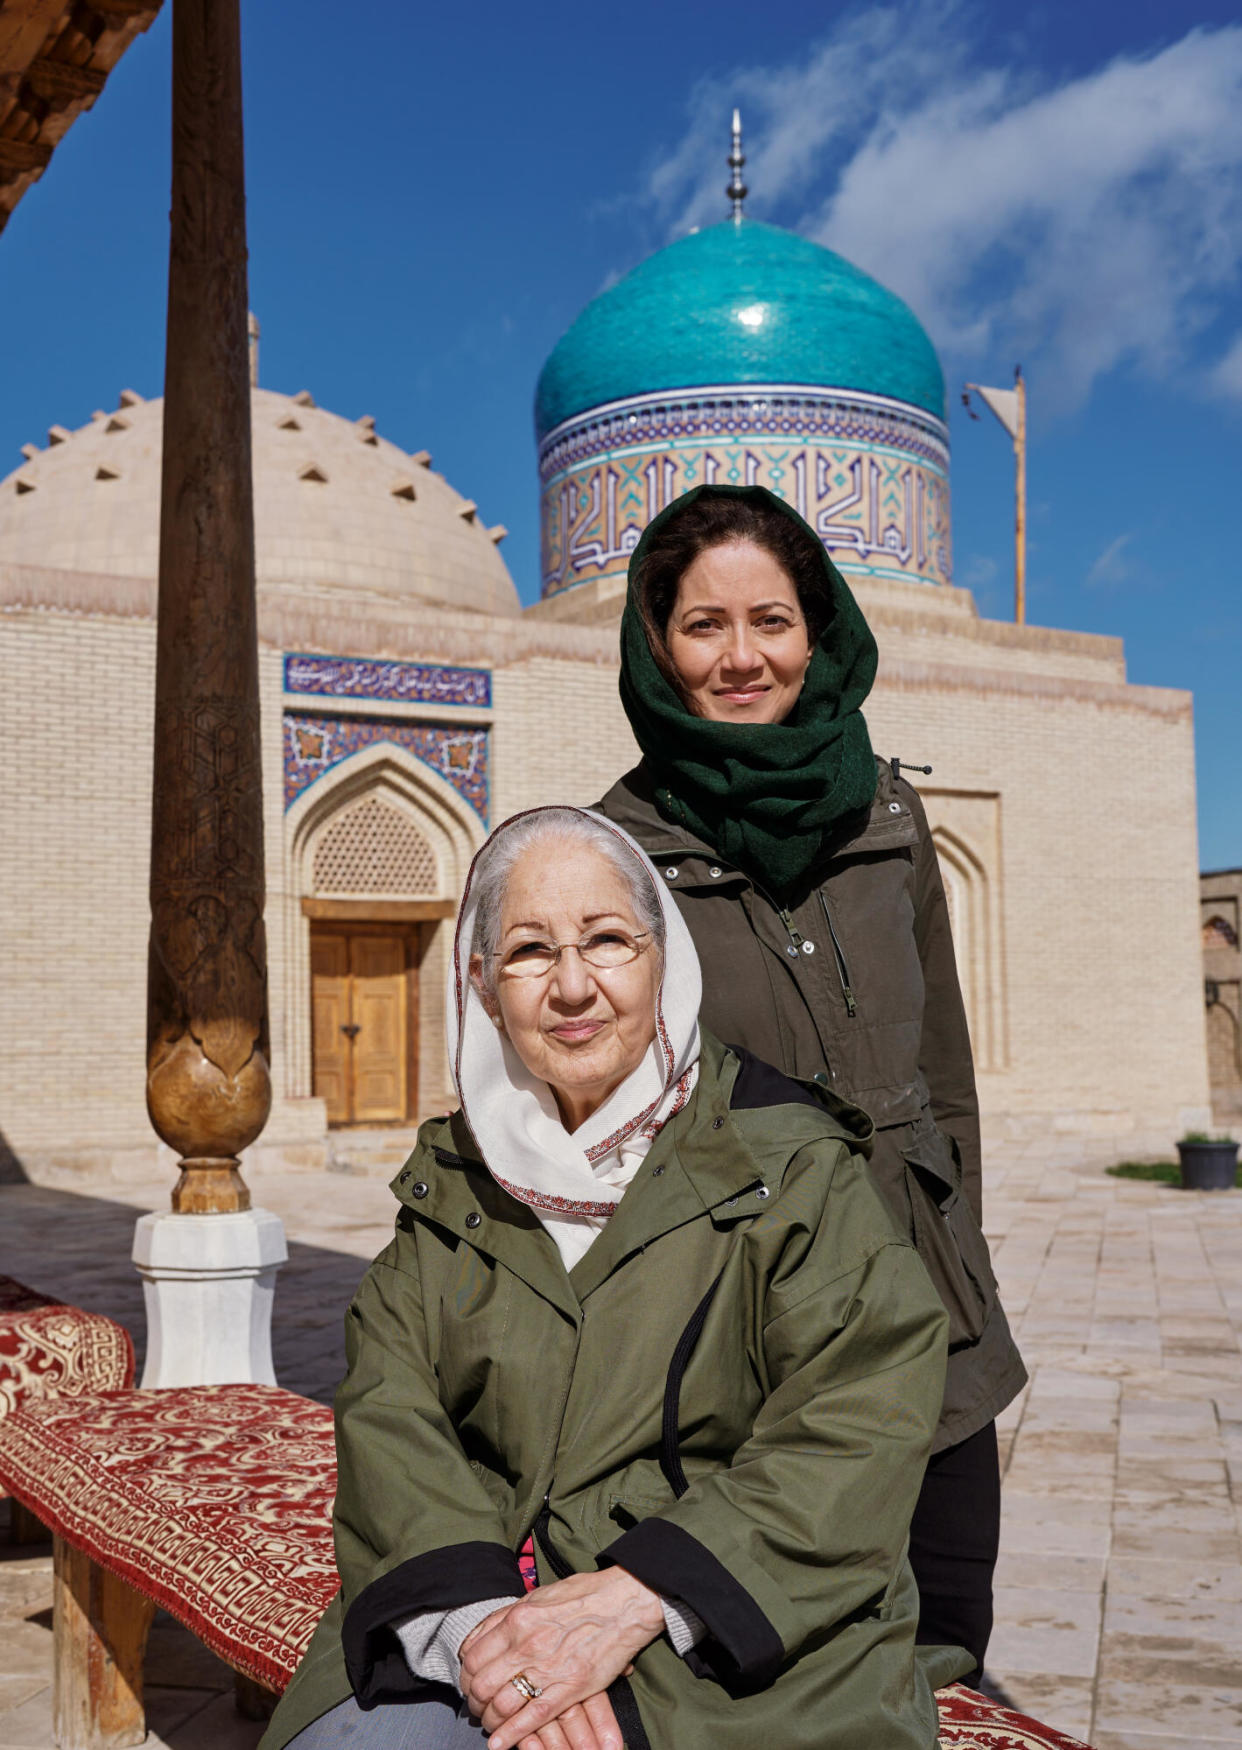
[(377, 850), (966, 832), (1225, 1045)]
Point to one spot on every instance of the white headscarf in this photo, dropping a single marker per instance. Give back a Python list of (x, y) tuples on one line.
[(572, 1180)]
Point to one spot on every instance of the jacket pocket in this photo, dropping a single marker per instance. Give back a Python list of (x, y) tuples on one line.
[(947, 1236), (626, 1511)]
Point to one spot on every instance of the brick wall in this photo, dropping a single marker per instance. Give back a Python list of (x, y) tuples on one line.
[(561, 735), (76, 709), (1073, 794), (1096, 886), (76, 714)]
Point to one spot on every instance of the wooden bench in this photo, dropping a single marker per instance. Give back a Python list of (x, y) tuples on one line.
[(215, 1502), (50, 1349)]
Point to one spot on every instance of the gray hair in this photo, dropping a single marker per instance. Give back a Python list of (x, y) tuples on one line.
[(542, 826)]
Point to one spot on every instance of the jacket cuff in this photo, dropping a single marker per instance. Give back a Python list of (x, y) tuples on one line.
[(442, 1579), (669, 1560)]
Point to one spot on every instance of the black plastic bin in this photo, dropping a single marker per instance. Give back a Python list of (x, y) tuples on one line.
[(1208, 1166)]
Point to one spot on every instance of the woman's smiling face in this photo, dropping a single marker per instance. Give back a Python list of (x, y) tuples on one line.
[(737, 636), (581, 1028)]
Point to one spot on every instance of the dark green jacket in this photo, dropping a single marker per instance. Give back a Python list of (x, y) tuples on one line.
[(856, 987), (484, 1380)]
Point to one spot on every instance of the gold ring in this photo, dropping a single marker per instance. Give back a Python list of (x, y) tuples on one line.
[(524, 1686)]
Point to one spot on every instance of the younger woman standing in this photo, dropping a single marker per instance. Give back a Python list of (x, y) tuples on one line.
[(806, 872)]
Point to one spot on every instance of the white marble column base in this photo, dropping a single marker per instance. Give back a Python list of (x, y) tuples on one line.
[(209, 1281)]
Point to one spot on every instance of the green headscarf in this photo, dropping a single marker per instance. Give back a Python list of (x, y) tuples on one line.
[(766, 796)]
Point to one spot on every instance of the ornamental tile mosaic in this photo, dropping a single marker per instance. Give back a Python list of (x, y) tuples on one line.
[(422, 683), (871, 475), (313, 745)]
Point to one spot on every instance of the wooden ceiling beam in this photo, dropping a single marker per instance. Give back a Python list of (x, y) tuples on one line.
[(25, 25), (54, 61), (60, 83)]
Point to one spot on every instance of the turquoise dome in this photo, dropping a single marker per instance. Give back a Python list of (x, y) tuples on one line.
[(740, 303)]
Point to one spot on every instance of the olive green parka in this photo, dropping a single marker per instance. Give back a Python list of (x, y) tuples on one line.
[(855, 986), (759, 1462)]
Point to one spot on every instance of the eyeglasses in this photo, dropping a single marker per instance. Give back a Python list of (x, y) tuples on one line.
[(606, 951)]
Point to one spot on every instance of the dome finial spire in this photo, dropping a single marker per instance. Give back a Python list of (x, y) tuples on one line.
[(736, 189)]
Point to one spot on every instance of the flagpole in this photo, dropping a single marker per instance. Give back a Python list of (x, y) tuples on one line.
[(1009, 408), (1019, 557)]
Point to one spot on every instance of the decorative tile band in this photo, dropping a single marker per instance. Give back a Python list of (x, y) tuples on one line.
[(313, 745), (421, 683), (869, 474), (786, 411)]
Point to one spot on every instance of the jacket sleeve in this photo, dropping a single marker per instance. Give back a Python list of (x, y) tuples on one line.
[(414, 1528), (807, 1526), (945, 1056)]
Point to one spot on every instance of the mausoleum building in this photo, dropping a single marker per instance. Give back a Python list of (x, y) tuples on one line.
[(409, 701)]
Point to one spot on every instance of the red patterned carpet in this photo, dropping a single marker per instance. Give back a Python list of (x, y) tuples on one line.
[(972, 1722), (216, 1501), (49, 1349)]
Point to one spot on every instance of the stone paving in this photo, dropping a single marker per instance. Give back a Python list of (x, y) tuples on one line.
[(1119, 1591)]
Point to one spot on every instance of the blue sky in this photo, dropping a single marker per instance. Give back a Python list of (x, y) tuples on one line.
[(434, 193)]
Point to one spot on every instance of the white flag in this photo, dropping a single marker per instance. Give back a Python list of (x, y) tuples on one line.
[(1004, 404)]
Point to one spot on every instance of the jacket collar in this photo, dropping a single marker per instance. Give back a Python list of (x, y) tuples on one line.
[(446, 1182), (887, 825), (699, 1164)]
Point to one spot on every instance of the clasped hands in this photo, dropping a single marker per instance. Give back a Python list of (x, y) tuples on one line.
[(571, 1639)]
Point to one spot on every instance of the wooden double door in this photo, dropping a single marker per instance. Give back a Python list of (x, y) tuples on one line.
[(364, 995)]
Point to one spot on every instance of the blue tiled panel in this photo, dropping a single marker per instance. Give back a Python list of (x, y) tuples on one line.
[(314, 745)]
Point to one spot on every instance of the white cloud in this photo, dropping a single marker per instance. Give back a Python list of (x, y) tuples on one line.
[(1226, 376), (1112, 566), (1077, 226)]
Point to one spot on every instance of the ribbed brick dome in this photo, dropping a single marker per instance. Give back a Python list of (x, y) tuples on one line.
[(339, 510)]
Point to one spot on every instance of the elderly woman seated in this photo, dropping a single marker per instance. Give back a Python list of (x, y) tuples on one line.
[(643, 1304)]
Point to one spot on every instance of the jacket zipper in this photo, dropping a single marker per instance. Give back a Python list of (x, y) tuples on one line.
[(843, 971), (543, 1538), (791, 929), (539, 1529), (796, 938)]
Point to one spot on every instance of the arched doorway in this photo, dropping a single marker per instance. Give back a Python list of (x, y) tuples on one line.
[(371, 866), (379, 856)]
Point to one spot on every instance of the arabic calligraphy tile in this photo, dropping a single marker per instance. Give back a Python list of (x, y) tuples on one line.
[(622, 465), (409, 682)]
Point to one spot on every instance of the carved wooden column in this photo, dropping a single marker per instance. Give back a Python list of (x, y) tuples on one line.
[(208, 1088), (209, 1268)]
